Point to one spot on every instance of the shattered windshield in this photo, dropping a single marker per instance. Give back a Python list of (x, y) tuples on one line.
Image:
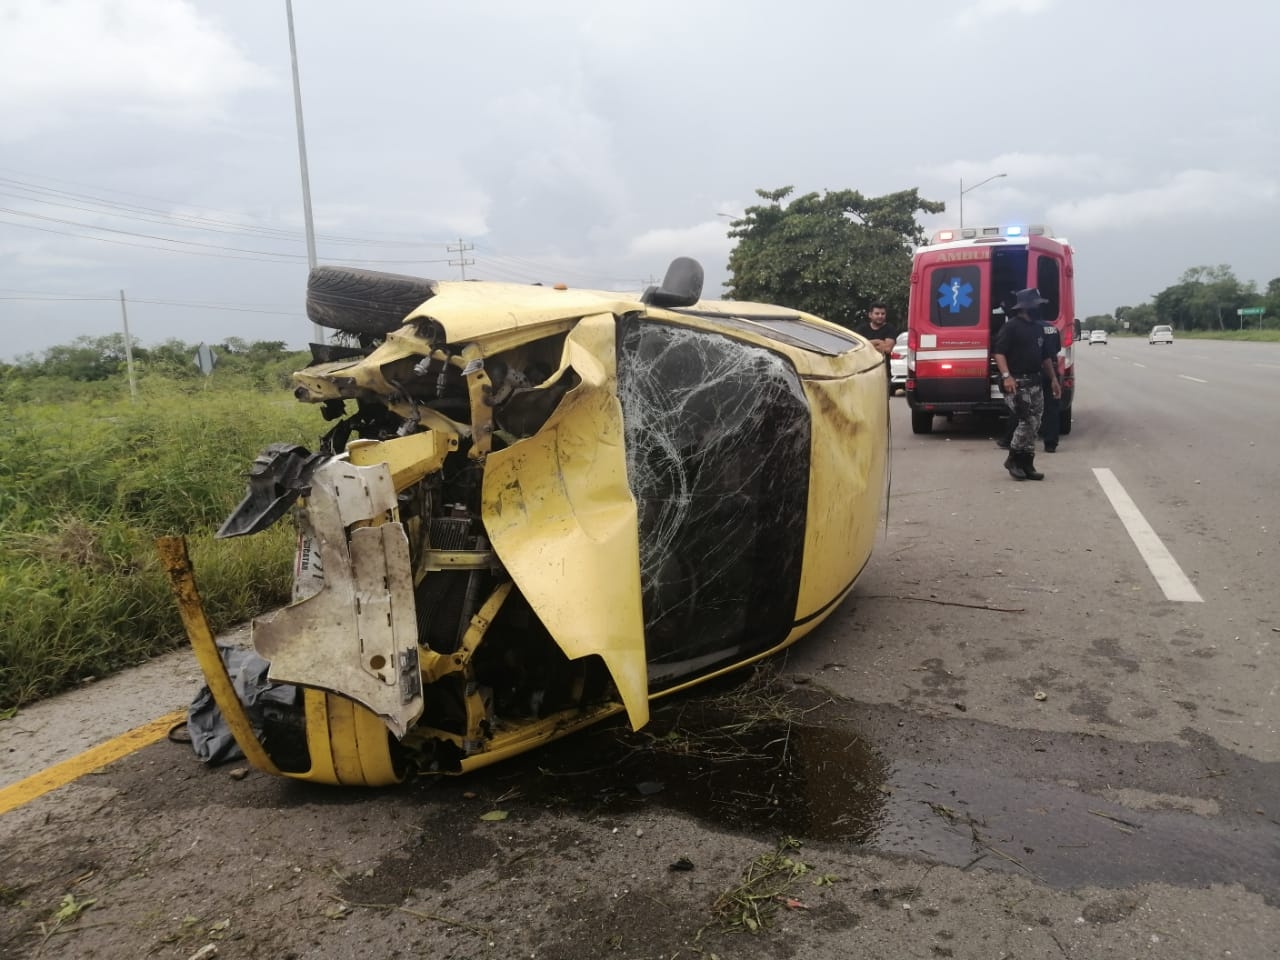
[(717, 436)]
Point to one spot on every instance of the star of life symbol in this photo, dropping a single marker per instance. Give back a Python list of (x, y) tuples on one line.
[(955, 295)]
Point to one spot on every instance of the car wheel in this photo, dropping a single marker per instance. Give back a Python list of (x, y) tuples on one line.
[(364, 301), (921, 421)]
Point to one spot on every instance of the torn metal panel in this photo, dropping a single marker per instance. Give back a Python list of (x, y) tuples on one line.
[(562, 519), (358, 635)]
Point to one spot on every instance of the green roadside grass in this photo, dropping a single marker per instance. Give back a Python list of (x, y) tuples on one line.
[(1258, 336), (88, 479)]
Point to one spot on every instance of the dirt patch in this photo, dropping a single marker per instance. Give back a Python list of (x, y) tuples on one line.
[(636, 845)]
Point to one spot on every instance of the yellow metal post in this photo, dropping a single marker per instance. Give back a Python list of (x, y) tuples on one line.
[(177, 563)]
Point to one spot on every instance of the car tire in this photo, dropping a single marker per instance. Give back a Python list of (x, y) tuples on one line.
[(921, 421), (1064, 421), (364, 301)]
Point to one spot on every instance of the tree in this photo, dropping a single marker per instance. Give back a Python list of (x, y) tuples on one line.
[(1141, 318), (833, 254), (1271, 302), (1205, 298), (85, 359)]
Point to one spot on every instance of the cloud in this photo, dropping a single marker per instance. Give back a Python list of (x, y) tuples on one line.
[(157, 58), (1058, 167), (546, 164), (1186, 196), (702, 240), (983, 10)]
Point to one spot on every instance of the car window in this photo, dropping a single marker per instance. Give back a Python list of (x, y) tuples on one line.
[(717, 435)]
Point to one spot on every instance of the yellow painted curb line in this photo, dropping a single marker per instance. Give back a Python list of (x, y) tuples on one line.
[(60, 774)]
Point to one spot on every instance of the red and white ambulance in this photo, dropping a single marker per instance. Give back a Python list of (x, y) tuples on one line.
[(958, 282)]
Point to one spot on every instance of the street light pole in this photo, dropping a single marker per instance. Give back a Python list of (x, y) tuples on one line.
[(316, 331), (964, 190)]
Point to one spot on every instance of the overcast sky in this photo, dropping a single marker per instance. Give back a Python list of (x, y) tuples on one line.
[(150, 145)]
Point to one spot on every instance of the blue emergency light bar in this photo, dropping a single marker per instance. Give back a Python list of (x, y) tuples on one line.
[(1006, 230)]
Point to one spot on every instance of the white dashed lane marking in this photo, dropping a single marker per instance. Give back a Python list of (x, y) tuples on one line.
[(1193, 379), (1159, 560)]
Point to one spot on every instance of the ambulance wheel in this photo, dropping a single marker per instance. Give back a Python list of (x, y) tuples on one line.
[(921, 421), (1064, 421)]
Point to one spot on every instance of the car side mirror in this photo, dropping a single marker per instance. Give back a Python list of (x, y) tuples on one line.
[(681, 287)]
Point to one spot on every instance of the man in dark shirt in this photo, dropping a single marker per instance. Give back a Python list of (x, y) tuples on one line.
[(1025, 361), (879, 331), (877, 328)]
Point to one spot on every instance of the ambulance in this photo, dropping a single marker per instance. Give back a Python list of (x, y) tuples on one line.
[(959, 281)]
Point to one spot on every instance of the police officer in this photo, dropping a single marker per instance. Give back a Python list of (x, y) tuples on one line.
[(1025, 361), (1049, 422)]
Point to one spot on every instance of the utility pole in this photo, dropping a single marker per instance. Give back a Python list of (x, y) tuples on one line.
[(316, 332), (461, 249), (128, 350)]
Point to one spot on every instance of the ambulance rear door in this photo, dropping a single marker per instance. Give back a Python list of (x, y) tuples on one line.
[(949, 328)]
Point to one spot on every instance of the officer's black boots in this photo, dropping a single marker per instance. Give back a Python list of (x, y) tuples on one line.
[(1028, 464), (1013, 464)]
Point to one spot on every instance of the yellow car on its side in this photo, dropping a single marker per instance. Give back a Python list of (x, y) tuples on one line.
[(541, 506)]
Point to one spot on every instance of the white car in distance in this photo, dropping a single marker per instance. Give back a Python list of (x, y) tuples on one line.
[(898, 364)]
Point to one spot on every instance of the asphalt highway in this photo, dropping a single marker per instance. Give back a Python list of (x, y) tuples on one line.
[(1043, 726)]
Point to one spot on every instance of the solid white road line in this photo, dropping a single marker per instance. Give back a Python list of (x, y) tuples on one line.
[(1159, 560), (1194, 379)]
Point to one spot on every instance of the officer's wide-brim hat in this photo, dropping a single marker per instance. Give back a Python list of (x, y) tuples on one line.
[(1028, 299)]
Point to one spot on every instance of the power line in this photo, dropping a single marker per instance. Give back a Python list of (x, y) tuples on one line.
[(263, 256), (544, 270), (215, 222), (144, 236), (167, 303), (289, 258)]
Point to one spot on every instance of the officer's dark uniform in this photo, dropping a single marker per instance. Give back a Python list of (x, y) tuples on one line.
[(1049, 423), (1021, 341)]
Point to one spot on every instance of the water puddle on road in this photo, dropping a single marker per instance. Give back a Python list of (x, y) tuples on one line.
[(761, 762), (788, 777)]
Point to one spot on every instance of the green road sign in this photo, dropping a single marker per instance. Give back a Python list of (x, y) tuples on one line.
[(1251, 311)]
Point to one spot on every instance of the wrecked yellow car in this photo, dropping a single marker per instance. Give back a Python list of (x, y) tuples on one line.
[(540, 506)]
